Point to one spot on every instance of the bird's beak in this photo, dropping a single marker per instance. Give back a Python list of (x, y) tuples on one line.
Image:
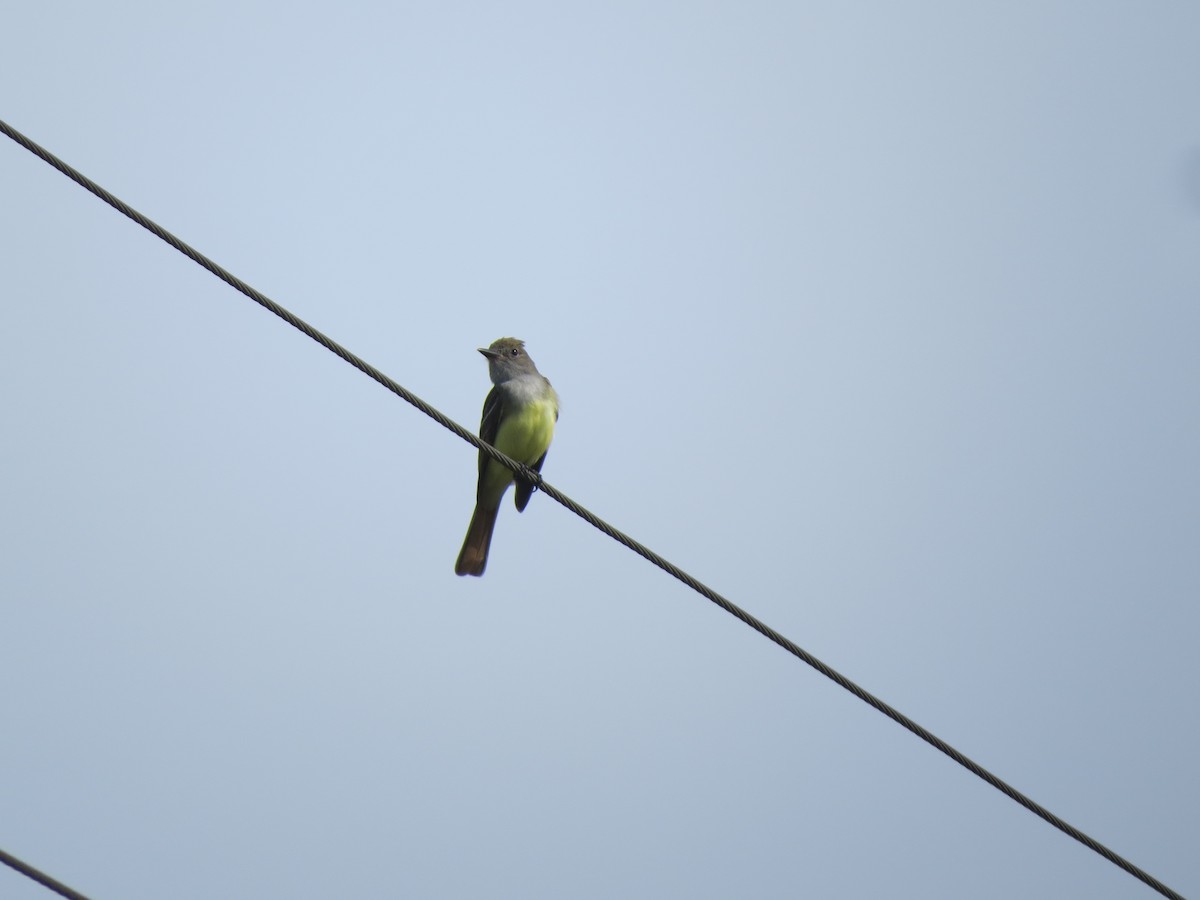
[(489, 353)]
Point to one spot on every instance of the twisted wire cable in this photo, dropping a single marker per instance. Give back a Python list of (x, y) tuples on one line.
[(646, 553), (40, 877)]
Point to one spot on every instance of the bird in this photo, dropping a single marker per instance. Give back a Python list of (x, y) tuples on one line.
[(519, 416)]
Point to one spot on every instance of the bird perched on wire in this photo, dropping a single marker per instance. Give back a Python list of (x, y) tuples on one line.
[(519, 416)]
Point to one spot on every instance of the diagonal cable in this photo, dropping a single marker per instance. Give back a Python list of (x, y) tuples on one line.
[(40, 877), (550, 491)]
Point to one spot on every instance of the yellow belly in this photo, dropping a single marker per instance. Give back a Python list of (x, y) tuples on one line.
[(526, 435)]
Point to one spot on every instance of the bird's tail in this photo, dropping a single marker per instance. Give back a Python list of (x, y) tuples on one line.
[(472, 560)]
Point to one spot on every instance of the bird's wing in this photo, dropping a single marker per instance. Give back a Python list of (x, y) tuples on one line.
[(490, 424)]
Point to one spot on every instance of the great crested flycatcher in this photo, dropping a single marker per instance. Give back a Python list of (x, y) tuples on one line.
[(518, 420)]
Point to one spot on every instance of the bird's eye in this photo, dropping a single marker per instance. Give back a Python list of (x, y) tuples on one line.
[(514, 352)]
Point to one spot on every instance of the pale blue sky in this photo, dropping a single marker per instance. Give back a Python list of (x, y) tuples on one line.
[(880, 318)]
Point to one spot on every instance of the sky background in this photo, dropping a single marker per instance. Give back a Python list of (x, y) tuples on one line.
[(880, 318)]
